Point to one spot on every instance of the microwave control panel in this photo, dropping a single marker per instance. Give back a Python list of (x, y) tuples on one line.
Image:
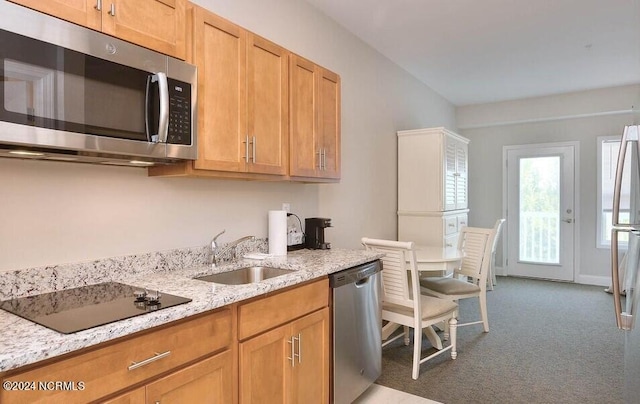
[(179, 112)]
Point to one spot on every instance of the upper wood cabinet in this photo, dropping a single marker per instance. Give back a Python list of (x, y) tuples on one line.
[(155, 24), (315, 121), (243, 99), (242, 102)]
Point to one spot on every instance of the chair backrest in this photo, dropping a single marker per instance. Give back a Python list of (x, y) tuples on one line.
[(497, 227), (400, 281), (476, 244)]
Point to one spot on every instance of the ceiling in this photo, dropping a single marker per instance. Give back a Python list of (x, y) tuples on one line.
[(478, 51)]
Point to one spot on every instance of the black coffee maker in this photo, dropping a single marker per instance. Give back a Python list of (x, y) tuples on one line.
[(314, 233)]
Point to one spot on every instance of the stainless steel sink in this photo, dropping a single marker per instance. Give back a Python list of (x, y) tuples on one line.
[(245, 275)]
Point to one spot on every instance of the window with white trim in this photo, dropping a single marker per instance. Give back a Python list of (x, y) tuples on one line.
[(608, 148)]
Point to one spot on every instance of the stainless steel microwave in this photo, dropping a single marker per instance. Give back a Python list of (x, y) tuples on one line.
[(73, 94)]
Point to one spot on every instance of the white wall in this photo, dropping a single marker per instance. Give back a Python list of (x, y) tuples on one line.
[(52, 213), (581, 117)]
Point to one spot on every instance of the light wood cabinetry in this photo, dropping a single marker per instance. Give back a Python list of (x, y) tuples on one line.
[(271, 349), (155, 24), (432, 186), (263, 113), (115, 366), (210, 379), (242, 102), (288, 363), (315, 120)]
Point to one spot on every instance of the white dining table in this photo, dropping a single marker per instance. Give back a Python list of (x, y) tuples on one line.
[(430, 261)]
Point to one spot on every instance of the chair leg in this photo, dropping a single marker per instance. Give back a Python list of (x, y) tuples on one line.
[(453, 327), (483, 312), (406, 335), (417, 350), (445, 336)]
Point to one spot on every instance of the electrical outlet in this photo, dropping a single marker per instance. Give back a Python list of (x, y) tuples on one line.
[(286, 207)]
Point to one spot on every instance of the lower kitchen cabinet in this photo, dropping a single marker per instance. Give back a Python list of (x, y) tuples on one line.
[(209, 380), (136, 360), (288, 364), (269, 349)]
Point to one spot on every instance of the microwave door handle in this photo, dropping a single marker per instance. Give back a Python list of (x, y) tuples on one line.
[(147, 115), (163, 115), (163, 125)]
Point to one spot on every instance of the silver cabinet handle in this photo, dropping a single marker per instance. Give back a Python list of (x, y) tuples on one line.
[(253, 149), (112, 11), (293, 352), (246, 149), (299, 348), (98, 5), (324, 158), (155, 357)]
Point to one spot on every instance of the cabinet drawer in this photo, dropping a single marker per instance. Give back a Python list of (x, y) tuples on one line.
[(462, 221), (450, 225), (108, 369), (269, 312), (451, 242)]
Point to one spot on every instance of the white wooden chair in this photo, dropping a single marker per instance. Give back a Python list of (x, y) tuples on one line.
[(491, 277), (402, 302), (470, 278)]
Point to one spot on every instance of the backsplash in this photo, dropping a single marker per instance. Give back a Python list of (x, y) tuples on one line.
[(32, 281)]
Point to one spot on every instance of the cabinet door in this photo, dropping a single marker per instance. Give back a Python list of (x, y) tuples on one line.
[(209, 380), (329, 139), (289, 364), (268, 106), (310, 375), (220, 55), (81, 12), (315, 120), (450, 170), (462, 183), (305, 157), (265, 367), (155, 24)]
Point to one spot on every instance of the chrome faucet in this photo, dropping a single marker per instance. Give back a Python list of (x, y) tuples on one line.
[(218, 253)]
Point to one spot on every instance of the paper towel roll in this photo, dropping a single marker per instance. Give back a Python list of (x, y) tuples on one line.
[(277, 232)]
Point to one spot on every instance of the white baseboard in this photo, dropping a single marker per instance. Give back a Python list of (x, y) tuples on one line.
[(581, 279)]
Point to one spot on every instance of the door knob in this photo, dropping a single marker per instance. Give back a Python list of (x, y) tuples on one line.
[(567, 220)]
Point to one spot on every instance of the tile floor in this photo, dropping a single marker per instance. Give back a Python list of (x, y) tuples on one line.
[(377, 394)]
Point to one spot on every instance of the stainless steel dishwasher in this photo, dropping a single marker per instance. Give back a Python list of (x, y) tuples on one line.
[(357, 334)]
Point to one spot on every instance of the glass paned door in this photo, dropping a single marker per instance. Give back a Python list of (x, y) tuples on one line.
[(539, 230), (540, 211)]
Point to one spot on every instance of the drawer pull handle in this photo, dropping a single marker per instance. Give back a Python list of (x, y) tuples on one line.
[(157, 356)]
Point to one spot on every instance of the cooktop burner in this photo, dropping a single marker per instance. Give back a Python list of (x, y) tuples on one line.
[(72, 310)]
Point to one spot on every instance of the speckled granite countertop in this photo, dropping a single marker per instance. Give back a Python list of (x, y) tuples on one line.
[(23, 342)]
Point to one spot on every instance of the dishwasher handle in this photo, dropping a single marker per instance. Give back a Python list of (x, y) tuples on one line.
[(363, 282), (356, 275)]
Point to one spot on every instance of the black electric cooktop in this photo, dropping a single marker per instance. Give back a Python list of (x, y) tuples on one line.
[(72, 310)]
